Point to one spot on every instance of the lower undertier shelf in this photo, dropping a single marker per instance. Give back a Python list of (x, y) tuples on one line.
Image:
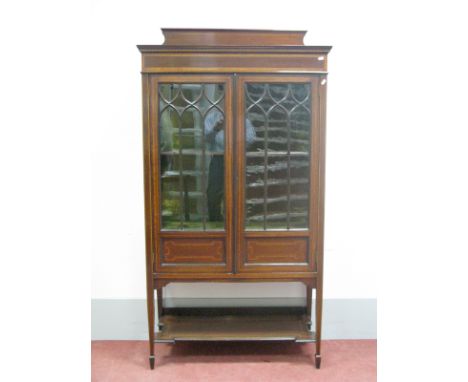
[(240, 324)]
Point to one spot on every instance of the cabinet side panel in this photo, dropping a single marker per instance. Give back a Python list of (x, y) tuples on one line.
[(147, 173), (322, 87), (153, 99), (148, 211), (321, 211)]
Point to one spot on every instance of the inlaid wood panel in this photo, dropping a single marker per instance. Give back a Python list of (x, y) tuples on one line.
[(274, 250), (195, 251), (232, 62)]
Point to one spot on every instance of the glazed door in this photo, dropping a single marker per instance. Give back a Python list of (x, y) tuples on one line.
[(191, 122), (277, 156)]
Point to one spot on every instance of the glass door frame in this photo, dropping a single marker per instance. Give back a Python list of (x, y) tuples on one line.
[(184, 236), (305, 237)]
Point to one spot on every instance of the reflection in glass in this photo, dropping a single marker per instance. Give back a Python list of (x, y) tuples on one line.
[(278, 156), (191, 143)]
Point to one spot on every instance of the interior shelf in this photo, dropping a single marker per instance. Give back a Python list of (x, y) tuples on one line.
[(234, 324)]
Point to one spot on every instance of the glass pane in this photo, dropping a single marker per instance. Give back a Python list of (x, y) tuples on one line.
[(277, 150), (191, 143)]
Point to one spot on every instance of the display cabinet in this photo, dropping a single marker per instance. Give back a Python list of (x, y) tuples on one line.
[(234, 168)]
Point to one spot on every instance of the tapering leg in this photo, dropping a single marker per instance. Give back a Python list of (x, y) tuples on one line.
[(309, 306), (150, 306), (160, 307), (318, 325)]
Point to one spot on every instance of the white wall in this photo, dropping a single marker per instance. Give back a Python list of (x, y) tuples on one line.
[(352, 238)]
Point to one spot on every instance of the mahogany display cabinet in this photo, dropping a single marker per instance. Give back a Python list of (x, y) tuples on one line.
[(234, 168)]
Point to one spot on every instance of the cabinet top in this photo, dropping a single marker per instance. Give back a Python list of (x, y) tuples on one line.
[(222, 38)]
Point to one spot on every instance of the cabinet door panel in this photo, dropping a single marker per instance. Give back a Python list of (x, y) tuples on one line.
[(277, 157), (191, 121)]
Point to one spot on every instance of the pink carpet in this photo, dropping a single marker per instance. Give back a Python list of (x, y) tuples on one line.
[(343, 361)]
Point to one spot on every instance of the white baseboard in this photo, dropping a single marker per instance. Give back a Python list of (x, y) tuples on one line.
[(127, 319)]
